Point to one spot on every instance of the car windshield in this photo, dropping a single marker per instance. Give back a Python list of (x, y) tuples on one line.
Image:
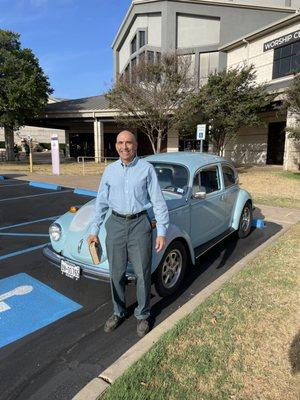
[(171, 177)]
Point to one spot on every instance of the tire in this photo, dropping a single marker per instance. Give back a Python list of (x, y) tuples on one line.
[(245, 221), (171, 270)]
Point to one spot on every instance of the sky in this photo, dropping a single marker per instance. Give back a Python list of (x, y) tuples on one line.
[(71, 38)]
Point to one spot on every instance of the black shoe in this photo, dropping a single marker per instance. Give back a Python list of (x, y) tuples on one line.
[(112, 323), (142, 327)]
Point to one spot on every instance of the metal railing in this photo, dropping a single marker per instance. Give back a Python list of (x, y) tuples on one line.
[(105, 160)]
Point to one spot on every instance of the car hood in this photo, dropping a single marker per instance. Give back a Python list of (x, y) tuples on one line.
[(76, 228)]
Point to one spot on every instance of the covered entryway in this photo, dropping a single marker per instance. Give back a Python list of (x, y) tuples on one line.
[(276, 141)]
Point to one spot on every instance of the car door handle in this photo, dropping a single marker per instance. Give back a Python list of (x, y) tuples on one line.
[(222, 197)]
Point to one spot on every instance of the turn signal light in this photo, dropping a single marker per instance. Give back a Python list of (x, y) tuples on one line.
[(73, 209)]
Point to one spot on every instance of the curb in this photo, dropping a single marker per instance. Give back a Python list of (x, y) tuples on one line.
[(95, 388), (44, 185), (85, 192)]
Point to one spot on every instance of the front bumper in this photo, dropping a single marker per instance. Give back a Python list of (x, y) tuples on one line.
[(100, 274)]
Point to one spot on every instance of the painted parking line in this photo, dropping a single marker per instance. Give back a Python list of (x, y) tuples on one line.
[(27, 305), (23, 251), (24, 234), (8, 185), (30, 222), (35, 195)]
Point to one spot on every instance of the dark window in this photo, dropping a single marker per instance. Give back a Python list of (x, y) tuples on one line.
[(207, 180), (286, 60), (150, 56), (142, 38), (133, 45), (229, 176), (133, 62), (158, 57), (142, 57)]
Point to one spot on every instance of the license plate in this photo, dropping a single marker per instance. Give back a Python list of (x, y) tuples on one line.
[(70, 270)]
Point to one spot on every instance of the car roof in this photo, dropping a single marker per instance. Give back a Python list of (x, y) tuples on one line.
[(193, 160)]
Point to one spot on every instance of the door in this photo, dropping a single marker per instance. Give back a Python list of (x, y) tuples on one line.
[(207, 215), (231, 191), (276, 140)]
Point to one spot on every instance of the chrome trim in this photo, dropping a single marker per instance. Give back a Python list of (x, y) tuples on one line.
[(55, 259), (213, 245)]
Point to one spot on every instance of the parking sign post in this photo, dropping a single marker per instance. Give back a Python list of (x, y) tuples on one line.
[(201, 129), (55, 154)]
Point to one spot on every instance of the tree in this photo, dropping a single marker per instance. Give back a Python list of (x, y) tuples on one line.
[(150, 96), (24, 88), (228, 101), (293, 103)]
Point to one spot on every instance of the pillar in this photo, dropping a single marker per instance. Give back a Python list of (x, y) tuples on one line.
[(291, 161), (172, 141), (99, 140), (67, 142)]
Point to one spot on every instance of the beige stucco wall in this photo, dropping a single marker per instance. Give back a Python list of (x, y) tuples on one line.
[(41, 135), (153, 25), (251, 144), (197, 31)]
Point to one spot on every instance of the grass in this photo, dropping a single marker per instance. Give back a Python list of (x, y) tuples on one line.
[(272, 186), (240, 344)]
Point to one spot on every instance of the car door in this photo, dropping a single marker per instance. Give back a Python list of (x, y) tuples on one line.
[(208, 214), (231, 191)]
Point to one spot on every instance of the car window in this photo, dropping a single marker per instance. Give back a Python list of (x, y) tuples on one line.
[(207, 180), (172, 177), (229, 176)]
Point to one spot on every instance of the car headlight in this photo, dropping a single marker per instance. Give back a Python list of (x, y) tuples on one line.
[(55, 231)]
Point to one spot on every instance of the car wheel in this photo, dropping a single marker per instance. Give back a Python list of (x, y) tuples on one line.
[(245, 221), (171, 269)]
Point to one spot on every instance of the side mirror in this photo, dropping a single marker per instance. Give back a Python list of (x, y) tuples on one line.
[(199, 195)]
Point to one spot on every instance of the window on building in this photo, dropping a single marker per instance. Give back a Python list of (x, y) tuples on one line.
[(209, 64), (158, 57), (150, 56), (142, 38), (286, 60), (133, 45)]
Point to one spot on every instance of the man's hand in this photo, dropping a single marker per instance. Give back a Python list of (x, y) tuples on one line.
[(92, 238), (160, 243)]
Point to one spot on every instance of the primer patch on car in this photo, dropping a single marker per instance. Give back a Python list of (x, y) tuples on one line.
[(82, 218)]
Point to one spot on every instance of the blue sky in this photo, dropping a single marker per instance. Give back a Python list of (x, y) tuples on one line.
[(71, 38)]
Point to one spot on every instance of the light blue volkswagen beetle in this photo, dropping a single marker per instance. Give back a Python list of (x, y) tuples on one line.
[(205, 204)]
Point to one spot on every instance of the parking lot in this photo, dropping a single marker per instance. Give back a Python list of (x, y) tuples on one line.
[(52, 343)]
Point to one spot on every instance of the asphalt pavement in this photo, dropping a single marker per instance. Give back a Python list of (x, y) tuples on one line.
[(55, 359)]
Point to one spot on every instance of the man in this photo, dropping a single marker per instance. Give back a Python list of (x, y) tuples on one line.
[(127, 186)]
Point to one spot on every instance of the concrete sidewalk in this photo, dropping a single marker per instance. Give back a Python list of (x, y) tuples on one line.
[(276, 214)]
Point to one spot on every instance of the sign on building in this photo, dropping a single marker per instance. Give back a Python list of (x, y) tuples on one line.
[(282, 40)]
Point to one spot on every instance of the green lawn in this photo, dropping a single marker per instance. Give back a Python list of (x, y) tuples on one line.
[(240, 344)]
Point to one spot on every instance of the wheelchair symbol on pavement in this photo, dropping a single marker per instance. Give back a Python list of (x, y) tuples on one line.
[(18, 291)]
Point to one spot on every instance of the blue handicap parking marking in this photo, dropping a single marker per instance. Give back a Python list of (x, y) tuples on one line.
[(27, 305)]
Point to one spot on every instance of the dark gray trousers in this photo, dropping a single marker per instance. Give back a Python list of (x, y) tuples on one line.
[(129, 240)]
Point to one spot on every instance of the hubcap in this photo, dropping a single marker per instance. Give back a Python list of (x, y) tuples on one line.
[(171, 268), (246, 217)]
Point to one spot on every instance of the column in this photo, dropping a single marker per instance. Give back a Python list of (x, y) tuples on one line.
[(99, 140), (291, 161), (67, 142), (172, 141)]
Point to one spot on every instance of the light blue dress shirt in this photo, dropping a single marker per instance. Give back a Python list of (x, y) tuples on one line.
[(128, 189)]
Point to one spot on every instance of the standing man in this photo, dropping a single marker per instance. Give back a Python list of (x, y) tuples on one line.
[(127, 186)]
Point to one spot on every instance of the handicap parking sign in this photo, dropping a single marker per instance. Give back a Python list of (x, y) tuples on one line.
[(27, 305)]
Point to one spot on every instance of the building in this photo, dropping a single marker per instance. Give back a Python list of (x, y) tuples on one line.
[(199, 28), (275, 53)]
